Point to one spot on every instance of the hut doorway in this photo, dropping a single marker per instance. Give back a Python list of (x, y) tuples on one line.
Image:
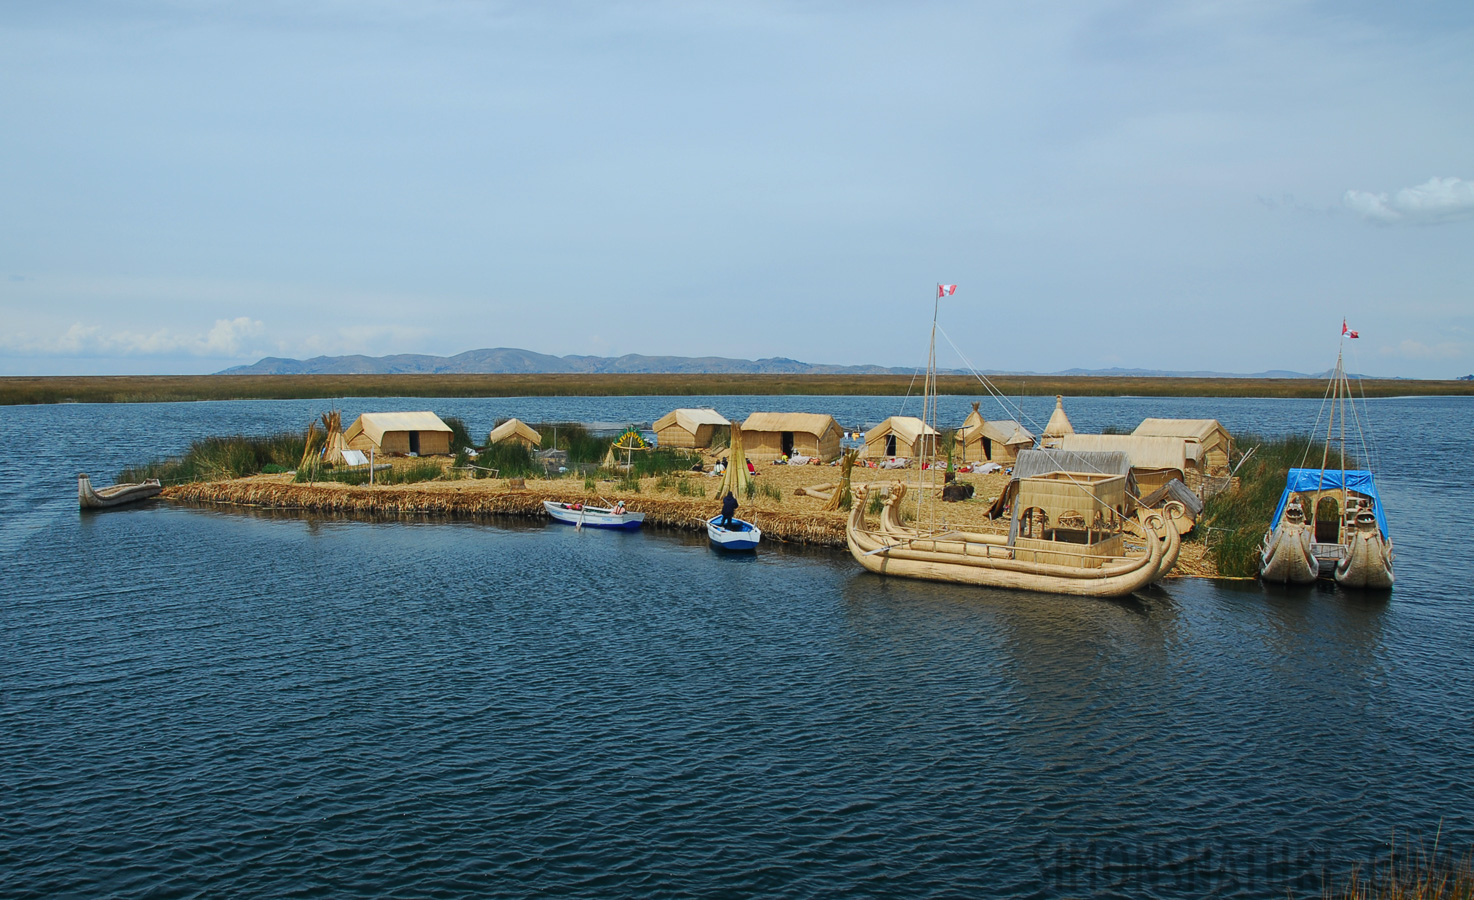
[(987, 447), (890, 445), (414, 442), (787, 443)]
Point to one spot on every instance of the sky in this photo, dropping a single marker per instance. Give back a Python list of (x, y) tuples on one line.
[(186, 185)]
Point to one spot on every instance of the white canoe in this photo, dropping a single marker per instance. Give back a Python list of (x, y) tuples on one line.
[(738, 535), (593, 516)]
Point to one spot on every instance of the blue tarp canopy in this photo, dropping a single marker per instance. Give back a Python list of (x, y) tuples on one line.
[(1310, 480)]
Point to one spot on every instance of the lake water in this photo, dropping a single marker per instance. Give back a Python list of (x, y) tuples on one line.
[(227, 703)]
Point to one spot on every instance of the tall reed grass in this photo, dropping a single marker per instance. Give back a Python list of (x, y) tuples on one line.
[(166, 388), (1413, 874), (1233, 523), (218, 458)]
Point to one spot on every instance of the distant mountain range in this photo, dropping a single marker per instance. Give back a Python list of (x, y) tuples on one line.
[(505, 360)]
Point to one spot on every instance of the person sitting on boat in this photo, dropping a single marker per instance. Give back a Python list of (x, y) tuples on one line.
[(619, 507), (729, 506), (575, 506)]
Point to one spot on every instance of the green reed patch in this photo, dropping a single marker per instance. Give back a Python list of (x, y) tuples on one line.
[(1233, 523), (220, 458)]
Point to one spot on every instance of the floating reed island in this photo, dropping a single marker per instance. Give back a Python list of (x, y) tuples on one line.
[(367, 469)]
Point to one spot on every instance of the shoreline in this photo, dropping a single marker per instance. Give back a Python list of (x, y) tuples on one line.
[(801, 524), (16, 390)]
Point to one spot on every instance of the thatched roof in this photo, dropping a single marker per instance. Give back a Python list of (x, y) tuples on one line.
[(1174, 490), (375, 425), (517, 428), (1144, 452), (1042, 462), (691, 419), (808, 423), (1059, 423), (1197, 429), (1001, 431), (907, 428)]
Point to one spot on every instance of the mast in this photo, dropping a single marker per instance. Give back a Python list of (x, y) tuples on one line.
[(928, 401)]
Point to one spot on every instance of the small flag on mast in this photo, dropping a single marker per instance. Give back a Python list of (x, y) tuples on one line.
[(1347, 332), (946, 290)]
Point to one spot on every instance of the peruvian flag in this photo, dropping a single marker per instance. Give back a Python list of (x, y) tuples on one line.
[(946, 290), (1347, 332)]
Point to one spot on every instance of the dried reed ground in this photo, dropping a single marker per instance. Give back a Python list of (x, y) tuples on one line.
[(793, 519)]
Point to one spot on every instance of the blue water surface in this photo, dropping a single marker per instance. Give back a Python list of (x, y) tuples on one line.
[(199, 702)]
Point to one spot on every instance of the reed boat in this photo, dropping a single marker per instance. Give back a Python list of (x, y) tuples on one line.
[(737, 535), (116, 495), (1079, 556), (1330, 522), (1069, 532), (585, 516)]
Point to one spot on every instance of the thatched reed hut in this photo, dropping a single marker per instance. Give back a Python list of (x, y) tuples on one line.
[(1154, 460), (1208, 441), (689, 429), (769, 435), (1032, 463), (518, 431), (984, 440), (905, 436), (420, 433), (1058, 425)]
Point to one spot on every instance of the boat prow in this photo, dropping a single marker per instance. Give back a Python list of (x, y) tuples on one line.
[(1368, 562), (89, 497), (1287, 556)]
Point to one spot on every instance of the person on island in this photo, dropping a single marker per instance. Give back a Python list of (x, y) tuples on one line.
[(729, 506)]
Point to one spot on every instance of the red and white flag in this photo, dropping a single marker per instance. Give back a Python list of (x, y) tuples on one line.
[(946, 290), (1347, 332)]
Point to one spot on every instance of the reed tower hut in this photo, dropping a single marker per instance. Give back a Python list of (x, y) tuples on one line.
[(689, 429), (1208, 442), (769, 435), (1059, 425), (905, 436), (517, 431), (387, 434), (1032, 463), (999, 441)]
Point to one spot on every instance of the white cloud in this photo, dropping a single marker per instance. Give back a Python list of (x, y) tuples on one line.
[(228, 339), (1411, 349), (1436, 200)]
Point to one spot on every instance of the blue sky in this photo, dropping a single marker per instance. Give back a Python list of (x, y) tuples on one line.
[(187, 185)]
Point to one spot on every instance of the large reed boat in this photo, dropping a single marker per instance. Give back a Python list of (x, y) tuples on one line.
[(1069, 532)]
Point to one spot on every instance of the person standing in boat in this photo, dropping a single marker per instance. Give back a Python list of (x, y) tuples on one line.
[(729, 507)]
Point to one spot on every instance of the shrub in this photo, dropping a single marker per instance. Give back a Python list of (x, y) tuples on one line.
[(511, 460), (582, 447), (460, 436)]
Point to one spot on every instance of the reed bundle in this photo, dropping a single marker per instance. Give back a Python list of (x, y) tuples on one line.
[(822, 529)]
